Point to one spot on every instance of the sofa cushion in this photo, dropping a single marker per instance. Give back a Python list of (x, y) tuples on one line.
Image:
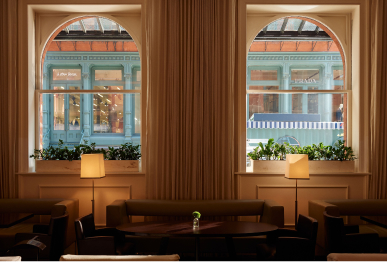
[(7, 235)]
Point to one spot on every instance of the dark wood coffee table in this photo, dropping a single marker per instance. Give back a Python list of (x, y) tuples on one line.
[(228, 230), (10, 219), (376, 220)]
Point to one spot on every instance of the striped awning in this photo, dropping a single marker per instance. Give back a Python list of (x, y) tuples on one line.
[(294, 125)]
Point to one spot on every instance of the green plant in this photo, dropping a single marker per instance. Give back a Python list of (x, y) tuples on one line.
[(315, 152), (196, 214), (342, 152), (126, 151)]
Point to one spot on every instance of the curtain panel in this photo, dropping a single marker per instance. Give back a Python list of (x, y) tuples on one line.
[(190, 93), (378, 161), (8, 101)]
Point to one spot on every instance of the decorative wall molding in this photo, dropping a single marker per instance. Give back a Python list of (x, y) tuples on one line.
[(63, 57)]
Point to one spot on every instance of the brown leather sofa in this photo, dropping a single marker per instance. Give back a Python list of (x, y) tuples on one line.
[(42, 209), (269, 211), (353, 208)]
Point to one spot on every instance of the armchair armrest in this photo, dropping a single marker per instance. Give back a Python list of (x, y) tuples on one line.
[(102, 245), (361, 243), (273, 213), (116, 214), (42, 229)]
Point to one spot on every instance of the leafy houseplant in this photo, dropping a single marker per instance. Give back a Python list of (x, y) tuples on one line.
[(124, 158), (275, 151)]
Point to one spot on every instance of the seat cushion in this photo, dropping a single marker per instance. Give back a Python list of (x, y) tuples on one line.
[(7, 235)]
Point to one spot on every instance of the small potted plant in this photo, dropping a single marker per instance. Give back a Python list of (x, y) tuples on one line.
[(196, 216)]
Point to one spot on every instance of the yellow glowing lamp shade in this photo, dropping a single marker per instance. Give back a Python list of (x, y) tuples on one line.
[(297, 166), (92, 166)]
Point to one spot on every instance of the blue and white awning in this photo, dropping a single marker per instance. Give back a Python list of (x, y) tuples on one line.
[(294, 125)]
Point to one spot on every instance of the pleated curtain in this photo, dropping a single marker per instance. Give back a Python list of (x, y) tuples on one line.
[(190, 109), (8, 101), (378, 158)]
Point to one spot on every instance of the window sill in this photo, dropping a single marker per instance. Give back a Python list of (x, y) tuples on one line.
[(51, 174)]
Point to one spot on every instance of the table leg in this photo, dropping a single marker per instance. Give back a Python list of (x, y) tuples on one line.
[(197, 247), (163, 246), (231, 248)]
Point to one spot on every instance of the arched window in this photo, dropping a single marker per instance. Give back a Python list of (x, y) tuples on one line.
[(91, 85), (295, 84)]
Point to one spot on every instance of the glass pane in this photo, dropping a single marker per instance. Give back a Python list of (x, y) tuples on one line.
[(305, 76), (59, 116), (91, 24), (308, 26), (66, 74), (257, 75), (293, 24), (104, 75), (327, 122), (137, 113), (276, 25), (296, 101), (263, 103), (312, 102), (76, 26), (108, 24), (338, 74), (74, 109), (108, 111)]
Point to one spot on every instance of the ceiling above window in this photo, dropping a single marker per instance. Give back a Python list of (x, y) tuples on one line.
[(93, 28), (292, 29)]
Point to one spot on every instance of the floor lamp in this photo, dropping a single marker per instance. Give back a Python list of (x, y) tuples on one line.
[(297, 167), (92, 167)]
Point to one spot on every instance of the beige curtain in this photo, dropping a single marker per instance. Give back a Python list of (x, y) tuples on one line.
[(8, 101), (190, 92), (378, 29)]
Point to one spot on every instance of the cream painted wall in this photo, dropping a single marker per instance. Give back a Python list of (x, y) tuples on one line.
[(318, 187)]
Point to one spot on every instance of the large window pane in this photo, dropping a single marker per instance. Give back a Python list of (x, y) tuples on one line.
[(297, 101), (137, 114), (338, 74), (305, 76), (313, 101), (59, 109), (263, 103), (108, 75), (258, 75), (66, 74), (74, 109), (108, 109), (307, 128)]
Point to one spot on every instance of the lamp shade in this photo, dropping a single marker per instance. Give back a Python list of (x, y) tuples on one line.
[(92, 166), (297, 166)]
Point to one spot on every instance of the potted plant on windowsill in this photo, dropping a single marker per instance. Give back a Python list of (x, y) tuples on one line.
[(122, 159), (322, 159)]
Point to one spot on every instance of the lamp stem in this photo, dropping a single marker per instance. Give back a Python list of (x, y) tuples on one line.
[(296, 211), (92, 201)]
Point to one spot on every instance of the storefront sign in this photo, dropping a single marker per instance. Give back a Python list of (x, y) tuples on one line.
[(304, 81)]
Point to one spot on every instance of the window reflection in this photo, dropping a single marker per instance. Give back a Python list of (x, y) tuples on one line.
[(108, 111)]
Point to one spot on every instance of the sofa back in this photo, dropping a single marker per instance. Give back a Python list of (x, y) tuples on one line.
[(35, 206), (52, 207), (360, 207), (344, 207), (118, 212), (207, 208)]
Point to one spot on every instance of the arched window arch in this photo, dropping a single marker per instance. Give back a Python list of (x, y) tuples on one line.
[(296, 83), (91, 86)]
